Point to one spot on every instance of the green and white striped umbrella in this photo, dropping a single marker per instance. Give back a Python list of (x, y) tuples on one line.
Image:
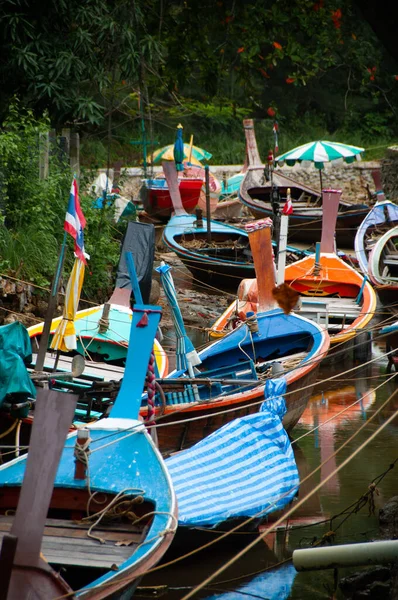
[(319, 153)]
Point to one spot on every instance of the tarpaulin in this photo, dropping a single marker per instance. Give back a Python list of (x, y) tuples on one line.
[(140, 241)]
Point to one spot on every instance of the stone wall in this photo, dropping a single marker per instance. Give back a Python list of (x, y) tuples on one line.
[(354, 179), (389, 173)]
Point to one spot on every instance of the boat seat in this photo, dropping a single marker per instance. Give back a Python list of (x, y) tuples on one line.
[(391, 259), (241, 370), (325, 308)]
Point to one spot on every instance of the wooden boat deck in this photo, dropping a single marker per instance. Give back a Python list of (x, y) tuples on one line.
[(66, 543), (98, 371)]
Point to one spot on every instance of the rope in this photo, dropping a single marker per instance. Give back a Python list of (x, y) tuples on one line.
[(296, 506), (119, 506), (151, 391), (9, 430), (82, 452), (134, 429)]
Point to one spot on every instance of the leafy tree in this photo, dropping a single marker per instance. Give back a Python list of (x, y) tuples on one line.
[(82, 60)]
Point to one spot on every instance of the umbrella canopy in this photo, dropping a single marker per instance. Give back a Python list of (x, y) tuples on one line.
[(186, 355), (320, 152), (64, 338), (167, 153)]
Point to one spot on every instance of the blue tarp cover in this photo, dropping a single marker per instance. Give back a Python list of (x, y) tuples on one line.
[(245, 468), (15, 353)]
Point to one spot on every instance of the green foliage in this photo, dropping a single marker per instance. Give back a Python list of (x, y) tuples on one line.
[(33, 211), (102, 242)]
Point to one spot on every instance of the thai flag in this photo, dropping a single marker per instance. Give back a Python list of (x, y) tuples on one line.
[(75, 221)]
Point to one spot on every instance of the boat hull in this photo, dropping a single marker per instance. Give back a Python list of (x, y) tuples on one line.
[(303, 228), (178, 430), (157, 201)]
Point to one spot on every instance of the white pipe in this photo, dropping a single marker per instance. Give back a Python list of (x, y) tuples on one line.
[(346, 555)]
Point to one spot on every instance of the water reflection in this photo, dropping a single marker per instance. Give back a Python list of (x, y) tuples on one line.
[(338, 408), (327, 412)]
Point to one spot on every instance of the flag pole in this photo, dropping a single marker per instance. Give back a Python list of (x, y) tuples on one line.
[(45, 336)]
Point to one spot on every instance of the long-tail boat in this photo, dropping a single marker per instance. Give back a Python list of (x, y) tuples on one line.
[(382, 217), (306, 220), (332, 293), (112, 513), (103, 332), (230, 379), (215, 253)]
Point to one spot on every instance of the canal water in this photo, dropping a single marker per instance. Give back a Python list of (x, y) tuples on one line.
[(333, 513)]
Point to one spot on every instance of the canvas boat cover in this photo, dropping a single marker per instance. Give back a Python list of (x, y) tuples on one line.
[(139, 239), (244, 469), (15, 353)]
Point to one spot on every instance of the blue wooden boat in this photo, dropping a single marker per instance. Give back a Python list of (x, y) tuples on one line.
[(215, 253), (113, 510), (382, 217), (231, 373)]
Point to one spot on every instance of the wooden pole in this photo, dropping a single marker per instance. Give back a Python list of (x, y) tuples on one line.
[(170, 173), (53, 416), (208, 219), (330, 207), (44, 141), (252, 153), (261, 247), (74, 153), (52, 304)]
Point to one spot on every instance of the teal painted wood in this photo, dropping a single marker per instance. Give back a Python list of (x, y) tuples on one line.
[(123, 458), (128, 401)]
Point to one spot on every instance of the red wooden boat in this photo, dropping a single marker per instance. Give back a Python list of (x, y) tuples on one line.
[(156, 196)]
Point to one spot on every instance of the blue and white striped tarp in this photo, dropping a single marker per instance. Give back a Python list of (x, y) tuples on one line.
[(245, 468)]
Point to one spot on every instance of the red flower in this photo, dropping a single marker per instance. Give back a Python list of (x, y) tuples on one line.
[(396, 77), (242, 49), (264, 73), (271, 112), (277, 45), (336, 17), (229, 19), (290, 80)]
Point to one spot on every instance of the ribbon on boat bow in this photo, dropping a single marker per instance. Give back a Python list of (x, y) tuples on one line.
[(259, 224)]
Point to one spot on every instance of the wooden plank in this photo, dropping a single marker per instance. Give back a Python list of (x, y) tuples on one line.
[(84, 552), (7, 520), (53, 416), (81, 534)]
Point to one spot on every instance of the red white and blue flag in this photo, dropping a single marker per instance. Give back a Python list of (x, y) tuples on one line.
[(75, 221)]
